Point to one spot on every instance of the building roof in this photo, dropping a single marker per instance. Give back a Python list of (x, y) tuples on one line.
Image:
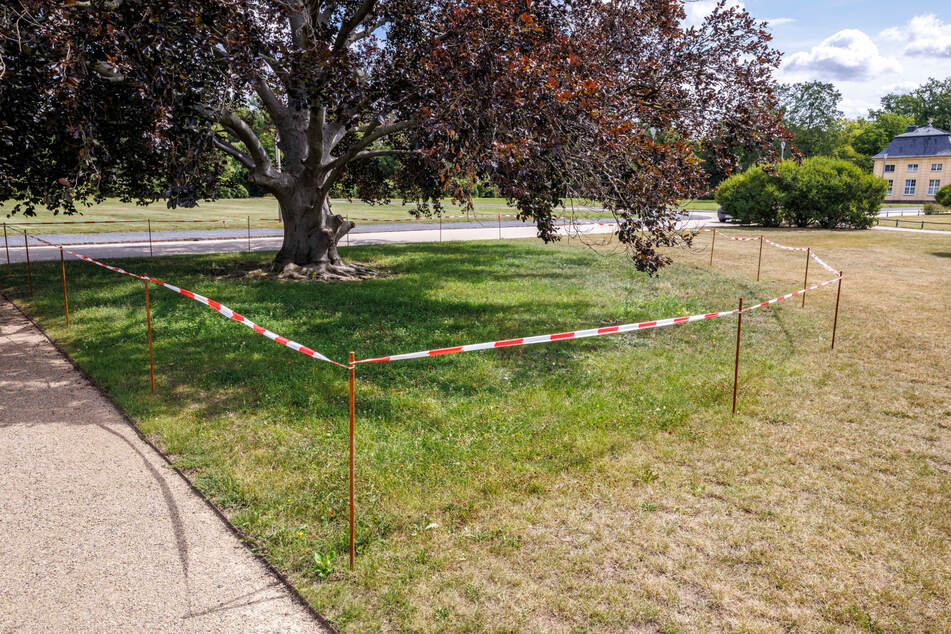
[(924, 141)]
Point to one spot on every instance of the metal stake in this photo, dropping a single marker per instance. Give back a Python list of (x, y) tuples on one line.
[(736, 365), (759, 263), (500, 226), (440, 228), (150, 237), (6, 244), (29, 268), (148, 322), (353, 372), (249, 234), (348, 233), (835, 320), (62, 262), (712, 245), (805, 281)]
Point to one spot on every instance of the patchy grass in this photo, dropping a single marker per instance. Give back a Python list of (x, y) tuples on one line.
[(935, 222), (593, 485)]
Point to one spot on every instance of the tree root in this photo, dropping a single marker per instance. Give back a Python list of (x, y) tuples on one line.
[(321, 272)]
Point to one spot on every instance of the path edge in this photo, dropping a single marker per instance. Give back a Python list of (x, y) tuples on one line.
[(295, 593)]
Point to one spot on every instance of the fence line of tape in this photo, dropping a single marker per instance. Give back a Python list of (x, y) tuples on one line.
[(488, 345), (214, 305)]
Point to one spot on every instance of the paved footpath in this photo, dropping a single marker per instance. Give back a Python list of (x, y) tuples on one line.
[(97, 533)]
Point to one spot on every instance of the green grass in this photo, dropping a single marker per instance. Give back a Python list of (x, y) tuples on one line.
[(262, 430), (935, 222), (261, 211)]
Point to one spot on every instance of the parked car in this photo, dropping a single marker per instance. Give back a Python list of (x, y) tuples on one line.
[(721, 216)]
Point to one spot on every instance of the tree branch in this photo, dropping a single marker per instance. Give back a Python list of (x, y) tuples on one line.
[(378, 153), (367, 141), (226, 147), (348, 27)]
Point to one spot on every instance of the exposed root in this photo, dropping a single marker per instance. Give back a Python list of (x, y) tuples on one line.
[(323, 272)]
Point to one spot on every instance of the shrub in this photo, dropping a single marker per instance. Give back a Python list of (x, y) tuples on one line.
[(751, 197), (829, 192), (944, 196), (930, 209)]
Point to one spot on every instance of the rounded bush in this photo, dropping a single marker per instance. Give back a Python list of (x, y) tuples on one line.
[(944, 196), (751, 197)]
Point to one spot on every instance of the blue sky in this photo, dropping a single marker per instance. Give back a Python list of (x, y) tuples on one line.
[(866, 48)]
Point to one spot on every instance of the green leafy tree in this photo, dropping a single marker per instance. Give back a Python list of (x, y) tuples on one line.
[(871, 137), (944, 196), (811, 112), (929, 102)]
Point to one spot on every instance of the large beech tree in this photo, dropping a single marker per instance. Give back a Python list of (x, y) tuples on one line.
[(550, 100)]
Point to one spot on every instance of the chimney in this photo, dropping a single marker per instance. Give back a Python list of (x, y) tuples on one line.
[(911, 128)]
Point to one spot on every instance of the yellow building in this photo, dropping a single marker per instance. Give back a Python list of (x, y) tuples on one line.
[(916, 165)]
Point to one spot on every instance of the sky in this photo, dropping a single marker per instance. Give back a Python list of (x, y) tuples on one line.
[(866, 48)]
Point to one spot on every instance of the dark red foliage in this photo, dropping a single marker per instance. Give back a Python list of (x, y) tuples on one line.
[(550, 100)]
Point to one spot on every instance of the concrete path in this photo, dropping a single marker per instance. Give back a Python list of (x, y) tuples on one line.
[(97, 533)]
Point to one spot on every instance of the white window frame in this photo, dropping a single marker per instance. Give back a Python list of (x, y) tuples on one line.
[(889, 168), (910, 186), (912, 167), (933, 186), (891, 184), (937, 167)]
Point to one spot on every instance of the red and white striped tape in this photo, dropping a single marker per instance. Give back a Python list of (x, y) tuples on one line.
[(217, 306), (821, 263), (592, 332)]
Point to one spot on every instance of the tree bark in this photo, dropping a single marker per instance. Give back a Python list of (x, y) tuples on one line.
[(311, 232)]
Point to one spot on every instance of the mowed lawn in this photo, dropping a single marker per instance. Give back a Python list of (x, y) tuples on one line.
[(261, 212), (936, 222), (589, 485)]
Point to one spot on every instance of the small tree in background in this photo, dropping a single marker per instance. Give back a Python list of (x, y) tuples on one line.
[(943, 196)]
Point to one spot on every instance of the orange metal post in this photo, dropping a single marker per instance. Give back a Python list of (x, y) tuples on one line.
[(352, 419), (835, 320), (805, 281), (249, 234), (500, 226), (62, 262), (759, 262), (150, 236), (148, 322), (736, 365), (29, 268), (712, 245), (6, 244)]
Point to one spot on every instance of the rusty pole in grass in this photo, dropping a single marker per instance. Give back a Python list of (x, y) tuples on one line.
[(712, 245), (249, 234), (62, 262), (148, 324), (759, 262), (348, 233), (736, 363), (835, 320), (29, 267), (440, 228), (6, 244), (500, 226), (150, 236), (353, 372), (805, 281)]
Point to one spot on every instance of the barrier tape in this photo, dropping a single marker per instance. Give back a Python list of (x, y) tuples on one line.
[(217, 306), (488, 345), (592, 332)]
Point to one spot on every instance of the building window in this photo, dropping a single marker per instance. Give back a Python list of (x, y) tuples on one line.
[(937, 167), (933, 186), (910, 187), (912, 167), (889, 168), (890, 183)]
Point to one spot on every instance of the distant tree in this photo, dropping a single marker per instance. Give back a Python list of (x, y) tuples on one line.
[(871, 137), (545, 99), (930, 101), (944, 196), (810, 110)]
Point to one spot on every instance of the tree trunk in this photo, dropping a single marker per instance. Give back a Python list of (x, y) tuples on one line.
[(311, 234)]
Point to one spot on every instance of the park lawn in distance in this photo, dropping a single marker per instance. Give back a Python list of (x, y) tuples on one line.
[(262, 213), (935, 222), (597, 483)]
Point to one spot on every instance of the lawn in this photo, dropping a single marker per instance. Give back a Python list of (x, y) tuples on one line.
[(599, 484), (935, 222), (262, 213)]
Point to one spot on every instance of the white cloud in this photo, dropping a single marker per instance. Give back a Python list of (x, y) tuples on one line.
[(779, 21), (698, 10), (849, 55), (923, 36)]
